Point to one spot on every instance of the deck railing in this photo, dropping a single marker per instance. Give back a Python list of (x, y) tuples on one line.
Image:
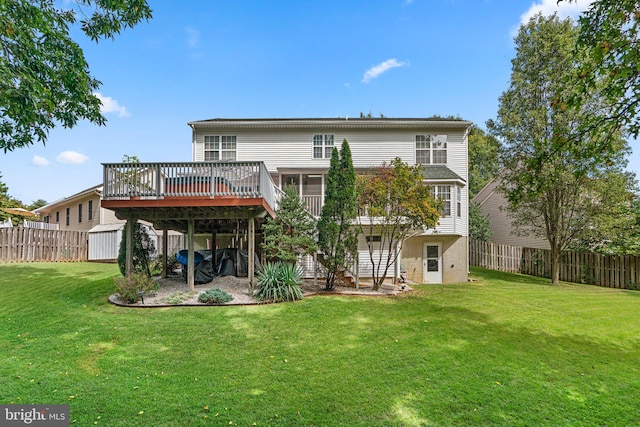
[(188, 179), (313, 204)]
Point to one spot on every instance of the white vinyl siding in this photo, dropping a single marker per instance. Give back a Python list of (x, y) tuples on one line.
[(291, 151)]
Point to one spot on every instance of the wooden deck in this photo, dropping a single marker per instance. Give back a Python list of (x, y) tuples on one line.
[(170, 194)]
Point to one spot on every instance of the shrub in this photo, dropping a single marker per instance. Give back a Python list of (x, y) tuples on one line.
[(279, 282), (215, 296), (143, 248), (156, 265), (129, 288), (177, 297)]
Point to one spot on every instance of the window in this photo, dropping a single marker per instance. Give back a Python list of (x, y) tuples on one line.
[(431, 149), (322, 146), (57, 217), (458, 201), (443, 192), (80, 213), (68, 217), (219, 147), (90, 210)]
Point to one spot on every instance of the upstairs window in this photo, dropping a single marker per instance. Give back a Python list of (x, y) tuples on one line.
[(80, 213), (90, 210), (322, 146), (68, 218), (219, 147), (431, 149)]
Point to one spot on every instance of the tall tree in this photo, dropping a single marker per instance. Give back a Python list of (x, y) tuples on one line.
[(337, 237), (291, 233), (608, 52), (552, 192), (393, 204), (44, 77), (484, 159)]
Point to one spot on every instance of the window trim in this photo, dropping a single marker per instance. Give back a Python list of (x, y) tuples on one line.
[(325, 142), (438, 191), (433, 151), (218, 142)]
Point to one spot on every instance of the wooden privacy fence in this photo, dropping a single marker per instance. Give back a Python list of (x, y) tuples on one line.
[(20, 244), (612, 271)]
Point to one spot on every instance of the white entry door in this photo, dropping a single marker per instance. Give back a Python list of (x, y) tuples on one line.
[(432, 263)]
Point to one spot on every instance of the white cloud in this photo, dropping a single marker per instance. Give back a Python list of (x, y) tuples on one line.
[(193, 38), (564, 9), (110, 105), (39, 161), (383, 67), (72, 157)]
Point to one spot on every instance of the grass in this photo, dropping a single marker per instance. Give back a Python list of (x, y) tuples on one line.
[(507, 350)]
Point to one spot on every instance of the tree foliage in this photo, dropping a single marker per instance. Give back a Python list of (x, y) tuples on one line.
[(393, 204), (607, 48), (143, 249), (484, 159), (552, 189), (337, 237), (6, 201), (616, 229), (44, 77), (292, 233), (479, 225)]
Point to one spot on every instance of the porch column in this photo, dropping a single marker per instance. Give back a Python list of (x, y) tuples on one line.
[(251, 252), (190, 255), (129, 246), (214, 249), (165, 249)]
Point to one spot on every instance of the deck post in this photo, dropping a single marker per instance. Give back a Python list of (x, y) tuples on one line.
[(190, 255), (251, 252), (214, 249), (165, 248), (129, 246)]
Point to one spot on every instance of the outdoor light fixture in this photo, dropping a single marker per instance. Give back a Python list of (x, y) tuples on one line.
[(141, 295)]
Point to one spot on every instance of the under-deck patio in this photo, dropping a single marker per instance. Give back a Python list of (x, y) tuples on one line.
[(191, 197)]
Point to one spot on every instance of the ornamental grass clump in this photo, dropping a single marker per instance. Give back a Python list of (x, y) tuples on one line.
[(279, 281), (130, 288), (215, 296)]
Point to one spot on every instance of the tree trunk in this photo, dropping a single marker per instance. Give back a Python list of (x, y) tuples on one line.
[(555, 265)]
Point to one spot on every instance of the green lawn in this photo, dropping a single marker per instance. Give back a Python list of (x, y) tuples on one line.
[(507, 350)]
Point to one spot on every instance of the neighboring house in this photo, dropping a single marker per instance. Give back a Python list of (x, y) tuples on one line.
[(79, 212), (83, 212), (493, 205), (238, 163)]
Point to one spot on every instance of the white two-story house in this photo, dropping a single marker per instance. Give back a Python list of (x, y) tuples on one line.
[(298, 151), (237, 161)]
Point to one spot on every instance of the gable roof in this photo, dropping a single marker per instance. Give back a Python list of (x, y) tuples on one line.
[(97, 189)]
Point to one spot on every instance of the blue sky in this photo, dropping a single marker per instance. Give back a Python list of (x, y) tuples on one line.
[(201, 59)]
